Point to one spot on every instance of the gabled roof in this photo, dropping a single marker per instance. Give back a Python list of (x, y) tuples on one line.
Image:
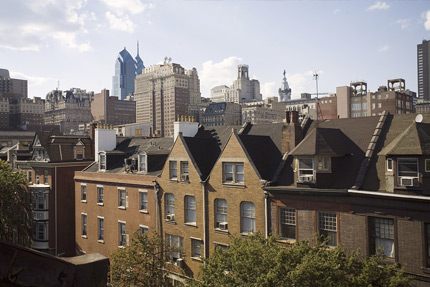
[(415, 140), (61, 148), (273, 130)]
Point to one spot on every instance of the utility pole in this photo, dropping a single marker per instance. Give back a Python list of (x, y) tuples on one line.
[(316, 80), (317, 103)]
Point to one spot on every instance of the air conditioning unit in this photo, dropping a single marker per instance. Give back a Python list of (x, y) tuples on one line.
[(223, 225), (184, 177), (408, 181), (306, 178), (170, 217), (179, 262)]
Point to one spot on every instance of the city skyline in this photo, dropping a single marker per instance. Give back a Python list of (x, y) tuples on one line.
[(76, 43)]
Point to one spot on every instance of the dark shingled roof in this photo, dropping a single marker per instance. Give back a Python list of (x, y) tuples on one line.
[(220, 134), (415, 140), (274, 131), (263, 153)]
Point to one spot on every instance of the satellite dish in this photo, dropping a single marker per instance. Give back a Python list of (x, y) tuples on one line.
[(419, 118)]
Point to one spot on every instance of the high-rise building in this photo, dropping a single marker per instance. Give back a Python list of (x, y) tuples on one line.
[(126, 69), (12, 86), (164, 92), (111, 110), (423, 61), (284, 91)]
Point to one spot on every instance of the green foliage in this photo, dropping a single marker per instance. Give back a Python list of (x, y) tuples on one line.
[(256, 261), (15, 208), (142, 263)]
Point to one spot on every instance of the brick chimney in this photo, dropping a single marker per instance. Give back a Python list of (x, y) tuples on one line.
[(292, 132)]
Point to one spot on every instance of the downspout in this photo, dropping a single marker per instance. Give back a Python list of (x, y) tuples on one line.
[(156, 189), (203, 183), (266, 217)]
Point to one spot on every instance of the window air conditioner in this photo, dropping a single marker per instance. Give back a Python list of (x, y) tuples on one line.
[(223, 225), (306, 178), (408, 181), (170, 217), (184, 177)]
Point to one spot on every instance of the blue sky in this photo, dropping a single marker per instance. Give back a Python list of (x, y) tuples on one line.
[(76, 42)]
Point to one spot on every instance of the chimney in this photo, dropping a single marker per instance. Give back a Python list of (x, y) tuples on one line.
[(294, 117), (104, 140), (287, 117), (186, 125)]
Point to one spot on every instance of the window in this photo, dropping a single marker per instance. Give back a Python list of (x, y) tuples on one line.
[(40, 231), (142, 162), (122, 199), (40, 201), (373, 106), (382, 235), (233, 172), (45, 176), (143, 229), (389, 164), (306, 169), (173, 170), (247, 217), (30, 179), (37, 176), (100, 229), (122, 238), (102, 161), (143, 200), (190, 209), (427, 241), (323, 163), (138, 132), (79, 152), (196, 248), (407, 169), (169, 200), (328, 227), (100, 194), (221, 218), (83, 193), (427, 165), (175, 245), (184, 170), (84, 225), (287, 222)]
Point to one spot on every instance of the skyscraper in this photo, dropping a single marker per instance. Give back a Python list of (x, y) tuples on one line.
[(126, 69), (423, 61)]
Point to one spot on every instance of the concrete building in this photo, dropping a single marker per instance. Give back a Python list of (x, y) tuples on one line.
[(126, 69), (267, 111), (327, 107), (222, 114), (423, 69), (133, 130), (68, 109), (12, 86), (284, 91), (110, 110), (164, 92), (242, 90), (306, 106)]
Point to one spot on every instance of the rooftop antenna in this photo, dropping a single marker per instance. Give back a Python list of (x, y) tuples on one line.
[(58, 85), (316, 82)]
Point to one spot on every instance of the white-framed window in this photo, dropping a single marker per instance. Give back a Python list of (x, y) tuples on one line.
[(306, 169), (379, 105), (79, 152), (173, 169), (247, 217), (184, 170), (83, 192), (221, 218), (190, 209), (175, 246), (37, 176), (427, 164), (122, 198), (287, 222), (143, 162), (233, 172), (40, 201), (30, 176), (143, 200), (223, 246), (100, 228), (389, 164), (143, 229), (100, 194), (407, 171), (45, 176), (196, 248), (102, 161), (40, 230), (122, 234), (169, 201), (323, 163), (382, 235), (327, 225), (84, 225)]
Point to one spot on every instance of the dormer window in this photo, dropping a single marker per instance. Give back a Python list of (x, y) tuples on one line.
[(102, 161), (143, 162), (323, 163), (407, 169), (306, 169), (79, 152)]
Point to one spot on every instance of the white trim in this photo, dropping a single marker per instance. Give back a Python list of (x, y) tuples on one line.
[(383, 194), (195, 238), (143, 226), (101, 217), (390, 159)]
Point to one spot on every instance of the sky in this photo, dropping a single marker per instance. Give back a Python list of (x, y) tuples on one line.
[(74, 43)]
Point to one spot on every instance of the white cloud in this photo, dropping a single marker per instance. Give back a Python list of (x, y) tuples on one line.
[(302, 83), (68, 39), (404, 23), (378, 6), (384, 49), (34, 82), (269, 89), (120, 23), (426, 16), (336, 11), (130, 6), (215, 74)]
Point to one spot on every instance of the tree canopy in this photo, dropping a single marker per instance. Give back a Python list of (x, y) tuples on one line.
[(15, 208), (256, 261)]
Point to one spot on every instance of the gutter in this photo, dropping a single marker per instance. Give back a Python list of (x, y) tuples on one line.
[(389, 195)]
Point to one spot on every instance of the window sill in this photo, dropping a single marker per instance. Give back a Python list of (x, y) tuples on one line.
[(145, 211), (232, 184), (184, 181), (84, 236), (173, 179), (170, 221), (101, 241), (221, 231), (246, 233), (121, 246), (191, 224), (286, 240), (83, 201), (199, 259), (121, 207), (100, 203)]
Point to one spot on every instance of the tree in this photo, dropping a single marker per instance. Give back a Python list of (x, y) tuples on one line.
[(142, 263), (15, 207), (256, 261)]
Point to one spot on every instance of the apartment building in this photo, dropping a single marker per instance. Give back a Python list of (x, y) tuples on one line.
[(267, 111), (222, 114), (110, 110)]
